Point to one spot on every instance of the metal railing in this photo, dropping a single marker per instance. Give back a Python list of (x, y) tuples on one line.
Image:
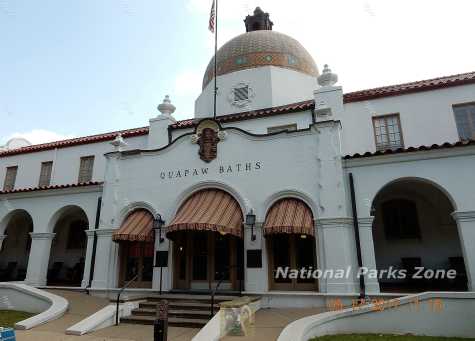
[(221, 280), (118, 298)]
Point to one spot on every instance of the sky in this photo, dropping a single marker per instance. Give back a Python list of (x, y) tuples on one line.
[(74, 68)]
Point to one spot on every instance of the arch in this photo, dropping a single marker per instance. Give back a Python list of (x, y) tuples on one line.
[(137, 205), (7, 218), (61, 212), (289, 193), (416, 179), (242, 201)]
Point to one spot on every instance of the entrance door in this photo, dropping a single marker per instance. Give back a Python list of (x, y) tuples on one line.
[(295, 252), (204, 258), (136, 260)]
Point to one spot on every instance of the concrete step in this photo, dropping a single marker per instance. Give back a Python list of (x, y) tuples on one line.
[(180, 305), (185, 313), (172, 321), (195, 298)]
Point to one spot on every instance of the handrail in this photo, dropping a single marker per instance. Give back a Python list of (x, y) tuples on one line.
[(223, 273), (118, 298)]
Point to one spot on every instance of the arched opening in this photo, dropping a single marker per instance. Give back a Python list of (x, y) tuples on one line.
[(68, 249), (207, 242), (136, 240), (414, 231), (16, 246), (290, 238)]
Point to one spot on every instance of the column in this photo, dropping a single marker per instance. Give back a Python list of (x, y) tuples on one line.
[(164, 272), (87, 263), (105, 259), (466, 229), (255, 278), (367, 252), (337, 236), (39, 258)]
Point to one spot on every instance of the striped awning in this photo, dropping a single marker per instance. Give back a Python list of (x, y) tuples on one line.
[(137, 227), (289, 215), (209, 210)]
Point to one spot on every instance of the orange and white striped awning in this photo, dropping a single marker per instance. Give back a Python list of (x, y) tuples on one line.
[(209, 210), (137, 227), (289, 215)]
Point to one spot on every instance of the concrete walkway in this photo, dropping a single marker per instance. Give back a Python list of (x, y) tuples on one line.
[(81, 306), (270, 322)]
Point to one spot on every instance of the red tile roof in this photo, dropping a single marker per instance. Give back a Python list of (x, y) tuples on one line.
[(76, 141), (406, 88), (44, 188), (284, 109), (393, 90), (412, 149)]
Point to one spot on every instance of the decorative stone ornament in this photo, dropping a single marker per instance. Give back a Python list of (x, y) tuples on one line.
[(327, 78), (207, 135), (166, 108), (119, 143), (241, 94)]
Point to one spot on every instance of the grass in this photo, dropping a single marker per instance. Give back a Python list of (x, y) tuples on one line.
[(384, 337), (9, 317)]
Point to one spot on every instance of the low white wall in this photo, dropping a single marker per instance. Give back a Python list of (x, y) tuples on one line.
[(415, 314), (102, 319), (17, 296)]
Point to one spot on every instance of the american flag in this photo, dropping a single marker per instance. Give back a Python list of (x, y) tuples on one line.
[(212, 16)]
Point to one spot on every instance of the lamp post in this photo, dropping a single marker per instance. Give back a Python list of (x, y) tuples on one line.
[(158, 222), (251, 221)]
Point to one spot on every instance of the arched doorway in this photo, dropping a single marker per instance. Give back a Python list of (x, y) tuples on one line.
[(413, 230), (207, 242), (136, 240), (15, 249), (290, 237), (68, 249)]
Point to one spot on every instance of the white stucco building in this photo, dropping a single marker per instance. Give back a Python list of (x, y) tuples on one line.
[(264, 184)]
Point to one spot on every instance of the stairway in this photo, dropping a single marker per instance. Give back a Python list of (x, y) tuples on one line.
[(184, 310)]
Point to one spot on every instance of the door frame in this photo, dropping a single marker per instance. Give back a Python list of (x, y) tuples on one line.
[(123, 255), (293, 285)]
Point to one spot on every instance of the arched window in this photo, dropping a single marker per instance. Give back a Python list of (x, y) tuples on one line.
[(400, 219)]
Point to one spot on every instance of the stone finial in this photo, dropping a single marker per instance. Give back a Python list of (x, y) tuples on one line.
[(166, 108), (327, 78), (119, 143)]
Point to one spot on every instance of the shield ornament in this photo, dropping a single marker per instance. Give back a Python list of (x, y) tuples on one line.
[(207, 136)]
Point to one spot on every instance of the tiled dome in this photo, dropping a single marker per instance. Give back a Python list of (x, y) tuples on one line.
[(260, 48)]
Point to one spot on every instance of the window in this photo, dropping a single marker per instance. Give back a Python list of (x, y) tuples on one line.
[(286, 127), (45, 174), (85, 169), (400, 219), (465, 119), (387, 132), (10, 178), (241, 93)]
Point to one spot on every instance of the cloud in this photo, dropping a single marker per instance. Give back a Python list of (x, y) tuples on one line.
[(36, 136)]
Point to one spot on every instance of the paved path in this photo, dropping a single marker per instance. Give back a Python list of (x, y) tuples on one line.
[(270, 322)]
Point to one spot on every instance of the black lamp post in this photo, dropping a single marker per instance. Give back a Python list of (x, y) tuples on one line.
[(251, 221), (158, 222)]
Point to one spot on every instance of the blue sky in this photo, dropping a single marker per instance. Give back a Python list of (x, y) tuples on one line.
[(72, 68)]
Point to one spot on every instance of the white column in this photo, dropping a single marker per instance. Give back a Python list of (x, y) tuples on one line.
[(337, 236), (166, 272), (255, 279), (367, 252), (88, 260), (105, 259), (2, 238), (466, 229), (39, 258)]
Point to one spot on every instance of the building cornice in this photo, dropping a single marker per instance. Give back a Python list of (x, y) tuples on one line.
[(464, 216), (334, 222), (95, 186), (42, 235)]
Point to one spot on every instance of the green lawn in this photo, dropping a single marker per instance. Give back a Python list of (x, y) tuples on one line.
[(9, 317), (384, 337)]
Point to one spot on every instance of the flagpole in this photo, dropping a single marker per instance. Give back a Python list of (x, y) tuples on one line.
[(215, 57)]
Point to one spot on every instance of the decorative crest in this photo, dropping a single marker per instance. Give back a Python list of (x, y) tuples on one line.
[(207, 135)]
